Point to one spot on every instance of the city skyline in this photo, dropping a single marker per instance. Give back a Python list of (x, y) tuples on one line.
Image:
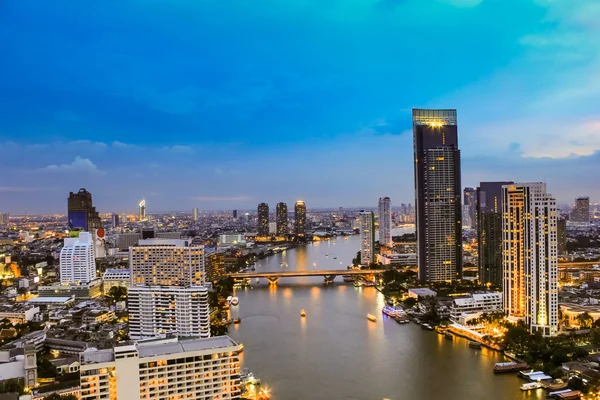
[(111, 114)]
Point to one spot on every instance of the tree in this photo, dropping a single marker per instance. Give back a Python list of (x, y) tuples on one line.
[(585, 320), (117, 293), (45, 368), (595, 336), (409, 302), (356, 261)]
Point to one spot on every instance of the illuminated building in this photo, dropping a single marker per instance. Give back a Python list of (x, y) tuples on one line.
[(142, 210), (385, 221), (282, 219), (168, 262), (81, 213), (367, 237), (163, 369), (581, 213), (437, 195), (4, 218), (77, 262), (530, 259), (300, 218), (161, 310), (115, 220), (115, 277), (263, 219), (489, 232), (469, 219), (195, 213)]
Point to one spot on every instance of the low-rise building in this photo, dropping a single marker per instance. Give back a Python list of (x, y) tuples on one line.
[(397, 259), (164, 369), (83, 291), (570, 312), (18, 313), (417, 293), (475, 304), (115, 277)]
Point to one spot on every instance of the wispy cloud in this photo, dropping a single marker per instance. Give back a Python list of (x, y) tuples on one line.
[(81, 165)]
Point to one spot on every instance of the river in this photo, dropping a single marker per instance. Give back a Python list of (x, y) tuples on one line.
[(336, 353)]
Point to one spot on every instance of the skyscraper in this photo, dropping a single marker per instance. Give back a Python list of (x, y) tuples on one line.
[(437, 195), (469, 218), (530, 262), (115, 220), (385, 221), (235, 214), (77, 262), (142, 210), (81, 213), (561, 228), (282, 219), (489, 235), (195, 214), (4, 218), (367, 237), (263, 219), (581, 213), (300, 218)]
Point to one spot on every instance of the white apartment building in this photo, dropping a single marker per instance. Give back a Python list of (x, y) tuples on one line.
[(231, 239), (77, 263), (529, 256), (115, 277), (159, 310), (367, 237), (385, 221), (476, 303), (199, 369), (167, 262)]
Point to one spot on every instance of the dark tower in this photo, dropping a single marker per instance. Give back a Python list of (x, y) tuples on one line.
[(282, 219), (81, 213), (263, 219)]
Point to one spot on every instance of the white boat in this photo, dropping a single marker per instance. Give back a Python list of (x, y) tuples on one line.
[(531, 386), (229, 298), (389, 311), (235, 301)]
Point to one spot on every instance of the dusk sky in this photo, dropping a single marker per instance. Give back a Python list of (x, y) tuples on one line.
[(222, 104)]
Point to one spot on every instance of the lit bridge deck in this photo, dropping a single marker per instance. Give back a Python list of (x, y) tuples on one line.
[(329, 275)]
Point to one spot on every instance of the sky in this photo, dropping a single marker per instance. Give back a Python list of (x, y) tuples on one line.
[(223, 104)]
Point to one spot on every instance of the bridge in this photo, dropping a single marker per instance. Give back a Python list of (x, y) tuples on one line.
[(329, 275), (578, 264)]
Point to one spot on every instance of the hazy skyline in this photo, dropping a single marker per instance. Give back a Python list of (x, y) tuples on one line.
[(226, 104)]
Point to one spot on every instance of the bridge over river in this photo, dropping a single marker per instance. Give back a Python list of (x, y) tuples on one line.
[(329, 275)]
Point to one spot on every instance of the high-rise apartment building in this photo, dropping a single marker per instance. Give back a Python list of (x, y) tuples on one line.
[(163, 369), (77, 262), (300, 218), (367, 237), (581, 213), (81, 213), (282, 219), (4, 217), (167, 262), (161, 310), (530, 261), (437, 195), (385, 221), (263, 219), (469, 207), (115, 220), (195, 214), (489, 233), (142, 210), (561, 229)]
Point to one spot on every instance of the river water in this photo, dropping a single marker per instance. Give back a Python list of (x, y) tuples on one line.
[(336, 353)]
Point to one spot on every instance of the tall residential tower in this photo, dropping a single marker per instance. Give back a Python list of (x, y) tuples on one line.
[(581, 213), (367, 237), (385, 221), (281, 219), (469, 219), (437, 195), (300, 218), (263, 219)]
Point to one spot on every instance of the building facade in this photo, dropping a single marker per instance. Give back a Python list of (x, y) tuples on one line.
[(530, 261), (115, 277), (581, 213), (81, 213), (367, 237), (168, 369), (300, 218), (385, 221), (167, 262), (195, 214), (489, 232), (476, 303), (561, 228), (4, 218), (162, 310), (77, 262), (282, 219), (263, 219), (142, 210), (115, 220), (469, 205), (437, 195)]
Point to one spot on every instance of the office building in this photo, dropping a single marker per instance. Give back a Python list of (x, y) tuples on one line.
[(263, 219), (469, 216), (530, 256), (367, 237), (300, 218), (195, 214), (167, 262), (163, 369), (161, 310), (214, 264), (282, 219), (385, 221), (77, 262), (126, 240), (437, 195), (489, 235), (581, 213), (561, 228), (142, 210), (81, 214), (4, 217), (235, 214), (115, 221), (115, 277)]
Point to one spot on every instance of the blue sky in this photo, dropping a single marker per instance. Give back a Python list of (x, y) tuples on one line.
[(222, 104)]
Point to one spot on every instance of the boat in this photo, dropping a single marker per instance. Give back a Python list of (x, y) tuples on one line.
[(326, 254), (511, 366), (558, 384), (229, 298), (335, 258), (371, 317), (237, 321), (389, 311), (302, 313), (368, 284), (345, 238), (235, 301), (348, 278), (474, 345), (531, 386), (427, 326), (257, 280), (357, 284), (570, 395), (448, 335)]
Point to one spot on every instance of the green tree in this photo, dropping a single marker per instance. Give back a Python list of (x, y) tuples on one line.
[(595, 336), (117, 293), (409, 302), (45, 368), (585, 320)]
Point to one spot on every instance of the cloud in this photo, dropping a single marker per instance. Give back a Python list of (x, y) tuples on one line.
[(217, 198), (121, 145), (84, 144), (179, 149), (82, 165)]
